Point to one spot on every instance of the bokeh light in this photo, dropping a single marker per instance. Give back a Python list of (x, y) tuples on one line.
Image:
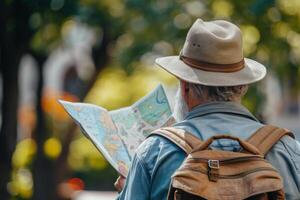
[(52, 147), (222, 8), (251, 37), (84, 156), (21, 184), (25, 150)]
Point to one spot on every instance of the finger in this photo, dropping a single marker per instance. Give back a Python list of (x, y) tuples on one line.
[(119, 184)]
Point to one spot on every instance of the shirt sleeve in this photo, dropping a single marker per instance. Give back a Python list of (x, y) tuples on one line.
[(137, 184), (285, 157)]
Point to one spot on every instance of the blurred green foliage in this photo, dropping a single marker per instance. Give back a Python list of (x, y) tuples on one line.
[(138, 31)]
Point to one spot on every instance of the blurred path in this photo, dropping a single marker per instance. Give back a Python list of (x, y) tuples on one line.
[(93, 195), (289, 121)]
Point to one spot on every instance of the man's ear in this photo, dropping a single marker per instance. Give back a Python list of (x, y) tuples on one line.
[(185, 90)]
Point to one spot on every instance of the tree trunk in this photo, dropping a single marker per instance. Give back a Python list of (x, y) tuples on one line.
[(8, 133), (9, 61), (43, 173)]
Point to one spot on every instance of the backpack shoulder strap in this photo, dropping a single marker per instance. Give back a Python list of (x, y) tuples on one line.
[(186, 141), (265, 137)]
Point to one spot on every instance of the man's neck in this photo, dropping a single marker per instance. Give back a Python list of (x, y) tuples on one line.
[(198, 102)]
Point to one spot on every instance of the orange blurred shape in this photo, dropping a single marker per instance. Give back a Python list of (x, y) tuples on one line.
[(51, 106), (76, 183), (27, 117)]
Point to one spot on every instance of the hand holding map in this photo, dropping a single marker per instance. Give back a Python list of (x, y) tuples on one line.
[(118, 133)]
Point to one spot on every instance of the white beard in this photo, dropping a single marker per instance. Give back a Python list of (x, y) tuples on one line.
[(180, 107)]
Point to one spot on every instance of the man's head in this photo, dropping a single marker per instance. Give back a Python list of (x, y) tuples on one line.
[(195, 94), (190, 95), (211, 65)]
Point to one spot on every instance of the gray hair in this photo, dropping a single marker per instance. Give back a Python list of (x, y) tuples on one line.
[(219, 93)]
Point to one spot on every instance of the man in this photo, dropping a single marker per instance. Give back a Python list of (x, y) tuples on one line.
[(214, 76)]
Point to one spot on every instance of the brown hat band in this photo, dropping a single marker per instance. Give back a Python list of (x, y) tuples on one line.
[(211, 67)]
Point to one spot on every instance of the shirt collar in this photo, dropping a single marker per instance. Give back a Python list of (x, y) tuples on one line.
[(220, 107)]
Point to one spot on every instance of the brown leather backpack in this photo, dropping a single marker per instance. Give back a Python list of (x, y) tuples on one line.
[(215, 174)]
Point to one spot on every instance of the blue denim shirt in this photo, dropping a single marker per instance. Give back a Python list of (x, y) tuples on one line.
[(157, 158)]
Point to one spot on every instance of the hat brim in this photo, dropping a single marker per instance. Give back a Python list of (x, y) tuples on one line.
[(251, 73)]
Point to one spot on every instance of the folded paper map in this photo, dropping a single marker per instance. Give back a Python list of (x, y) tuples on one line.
[(118, 133)]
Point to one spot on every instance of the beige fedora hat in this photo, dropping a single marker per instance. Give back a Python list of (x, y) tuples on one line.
[(213, 55)]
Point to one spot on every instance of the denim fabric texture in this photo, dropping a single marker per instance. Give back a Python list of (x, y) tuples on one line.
[(157, 158)]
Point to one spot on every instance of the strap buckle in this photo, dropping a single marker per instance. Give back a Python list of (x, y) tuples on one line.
[(213, 170), (214, 164)]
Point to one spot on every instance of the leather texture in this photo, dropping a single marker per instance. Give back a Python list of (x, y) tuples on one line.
[(267, 136), (211, 66), (186, 141), (215, 174)]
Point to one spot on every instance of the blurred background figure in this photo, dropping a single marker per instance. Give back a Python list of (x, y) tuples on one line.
[(103, 52)]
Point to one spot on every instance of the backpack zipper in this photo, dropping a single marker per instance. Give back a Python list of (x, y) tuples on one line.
[(231, 160), (233, 176)]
